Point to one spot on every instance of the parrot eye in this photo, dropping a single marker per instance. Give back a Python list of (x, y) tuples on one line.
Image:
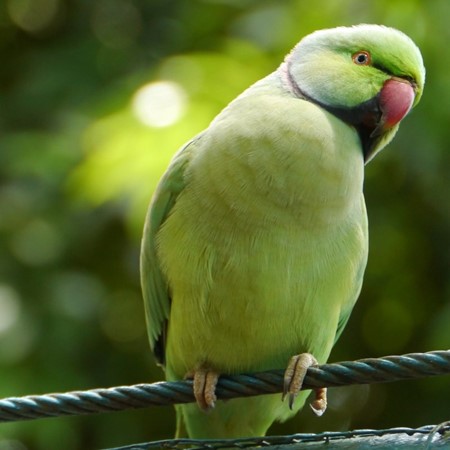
[(362, 58)]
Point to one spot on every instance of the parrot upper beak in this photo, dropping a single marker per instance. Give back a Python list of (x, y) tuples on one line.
[(395, 100)]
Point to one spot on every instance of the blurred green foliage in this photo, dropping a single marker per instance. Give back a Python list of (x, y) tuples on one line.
[(81, 150)]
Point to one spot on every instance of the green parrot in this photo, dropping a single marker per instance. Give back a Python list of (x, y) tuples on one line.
[(256, 239)]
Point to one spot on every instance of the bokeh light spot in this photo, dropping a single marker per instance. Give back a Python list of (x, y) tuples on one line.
[(77, 295), (116, 23), (9, 308), (159, 104), (33, 15), (37, 243), (17, 331)]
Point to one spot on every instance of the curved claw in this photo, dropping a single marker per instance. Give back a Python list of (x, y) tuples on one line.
[(319, 404), (205, 382), (293, 380)]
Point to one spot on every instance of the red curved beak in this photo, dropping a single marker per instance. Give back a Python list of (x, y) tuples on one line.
[(395, 100)]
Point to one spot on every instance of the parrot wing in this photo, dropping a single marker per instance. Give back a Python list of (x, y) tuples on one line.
[(154, 285), (343, 319), (346, 311)]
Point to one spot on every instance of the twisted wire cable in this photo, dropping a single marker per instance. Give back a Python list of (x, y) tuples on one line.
[(431, 433), (363, 371)]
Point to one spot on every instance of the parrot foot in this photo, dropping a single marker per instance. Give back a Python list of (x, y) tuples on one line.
[(205, 382), (293, 381), (319, 405)]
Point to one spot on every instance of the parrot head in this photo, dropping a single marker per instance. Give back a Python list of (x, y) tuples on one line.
[(370, 76)]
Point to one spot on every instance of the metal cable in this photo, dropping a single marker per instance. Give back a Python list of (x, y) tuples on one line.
[(373, 370), (265, 441)]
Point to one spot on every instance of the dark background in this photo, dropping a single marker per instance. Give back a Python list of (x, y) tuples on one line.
[(79, 159)]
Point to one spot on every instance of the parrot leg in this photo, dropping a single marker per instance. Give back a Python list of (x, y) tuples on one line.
[(293, 381), (205, 382)]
